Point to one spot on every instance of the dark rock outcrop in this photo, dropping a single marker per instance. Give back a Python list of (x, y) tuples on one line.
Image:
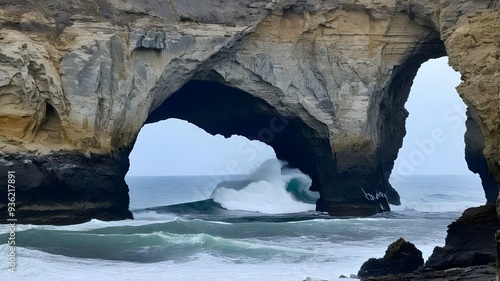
[(400, 257), (474, 146), (470, 240), (472, 273), (55, 188), (469, 253)]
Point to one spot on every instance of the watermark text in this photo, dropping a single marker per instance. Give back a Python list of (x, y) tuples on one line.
[(11, 209)]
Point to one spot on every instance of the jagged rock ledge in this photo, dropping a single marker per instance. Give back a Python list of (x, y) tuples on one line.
[(469, 252)]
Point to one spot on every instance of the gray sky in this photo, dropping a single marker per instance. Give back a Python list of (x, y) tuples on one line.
[(433, 144), (434, 141), (177, 147)]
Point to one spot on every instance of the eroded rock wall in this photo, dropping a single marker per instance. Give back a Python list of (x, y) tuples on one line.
[(82, 77), (474, 147), (471, 38)]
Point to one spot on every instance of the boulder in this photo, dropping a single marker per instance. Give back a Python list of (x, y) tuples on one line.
[(400, 257)]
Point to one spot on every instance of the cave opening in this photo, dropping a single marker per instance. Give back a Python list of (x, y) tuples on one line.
[(217, 133), (51, 127), (434, 151)]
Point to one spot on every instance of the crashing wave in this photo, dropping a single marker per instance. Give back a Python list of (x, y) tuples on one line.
[(272, 188)]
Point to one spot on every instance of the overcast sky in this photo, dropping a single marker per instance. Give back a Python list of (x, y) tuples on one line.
[(433, 145), (177, 147), (434, 141)]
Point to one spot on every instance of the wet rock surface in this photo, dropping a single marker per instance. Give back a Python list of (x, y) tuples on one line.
[(62, 188), (400, 257), (470, 240), (473, 273)]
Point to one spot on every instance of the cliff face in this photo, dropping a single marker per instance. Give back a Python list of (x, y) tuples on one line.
[(323, 82)]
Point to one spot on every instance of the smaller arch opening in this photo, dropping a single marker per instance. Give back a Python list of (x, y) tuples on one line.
[(433, 149)]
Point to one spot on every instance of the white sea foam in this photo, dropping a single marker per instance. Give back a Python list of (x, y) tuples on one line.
[(142, 219), (268, 190), (153, 216), (201, 267)]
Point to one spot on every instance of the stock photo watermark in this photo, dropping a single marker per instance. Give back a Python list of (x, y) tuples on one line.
[(11, 209)]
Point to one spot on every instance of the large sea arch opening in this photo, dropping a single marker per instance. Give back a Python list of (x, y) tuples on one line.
[(227, 133)]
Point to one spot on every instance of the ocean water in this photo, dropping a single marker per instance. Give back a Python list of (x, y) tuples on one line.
[(255, 227)]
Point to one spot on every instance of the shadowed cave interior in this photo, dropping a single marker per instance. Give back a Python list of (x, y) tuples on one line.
[(219, 109)]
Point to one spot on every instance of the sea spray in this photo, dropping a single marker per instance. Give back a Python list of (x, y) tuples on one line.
[(272, 188)]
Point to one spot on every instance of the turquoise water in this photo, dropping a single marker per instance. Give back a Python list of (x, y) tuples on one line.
[(224, 236)]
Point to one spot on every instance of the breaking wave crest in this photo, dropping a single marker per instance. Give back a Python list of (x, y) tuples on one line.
[(272, 188)]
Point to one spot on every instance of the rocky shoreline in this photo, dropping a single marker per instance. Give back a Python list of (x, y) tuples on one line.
[(469, 253)]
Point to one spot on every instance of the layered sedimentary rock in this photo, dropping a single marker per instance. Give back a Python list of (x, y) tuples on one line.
[(323, 82)]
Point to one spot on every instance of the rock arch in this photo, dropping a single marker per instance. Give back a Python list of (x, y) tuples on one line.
[(339, 71)]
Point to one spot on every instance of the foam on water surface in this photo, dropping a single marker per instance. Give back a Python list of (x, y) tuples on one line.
[(161, 245)]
